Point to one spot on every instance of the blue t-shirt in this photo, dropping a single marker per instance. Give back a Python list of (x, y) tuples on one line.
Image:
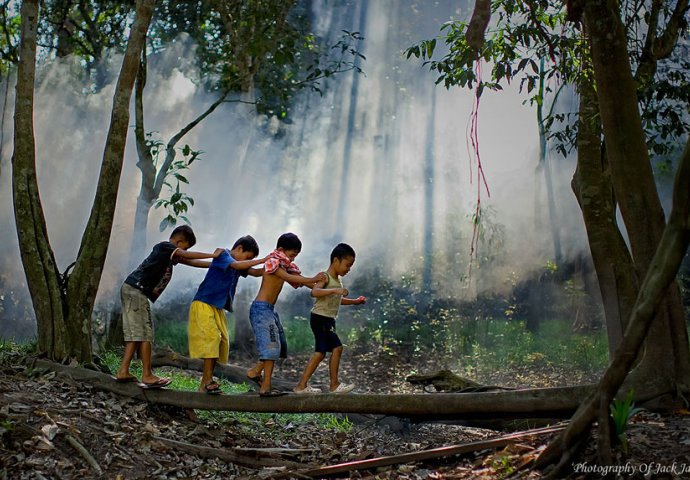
[(219, 284)]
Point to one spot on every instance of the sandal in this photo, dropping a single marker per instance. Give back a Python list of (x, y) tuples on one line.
[(212, 388), (344, 388), (307, 389), (160, 383)]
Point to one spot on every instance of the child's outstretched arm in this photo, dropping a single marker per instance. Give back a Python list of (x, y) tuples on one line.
[(353, 301), (255, 272), (247, 264), (299, 280), (195, 259)]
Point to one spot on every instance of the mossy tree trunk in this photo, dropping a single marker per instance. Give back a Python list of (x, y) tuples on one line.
[(63, 303), (665, 362), (592, 186)]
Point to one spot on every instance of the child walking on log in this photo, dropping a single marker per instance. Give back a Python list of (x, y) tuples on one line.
[(329, 295), (145, 284), (268, 331), (207, 328)]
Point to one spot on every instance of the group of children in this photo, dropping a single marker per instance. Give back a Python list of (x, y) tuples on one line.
[(208, 333)]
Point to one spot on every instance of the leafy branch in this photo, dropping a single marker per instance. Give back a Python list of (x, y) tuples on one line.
[(177, 203)]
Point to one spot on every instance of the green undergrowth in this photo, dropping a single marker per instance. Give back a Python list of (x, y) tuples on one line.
[(242, 420)]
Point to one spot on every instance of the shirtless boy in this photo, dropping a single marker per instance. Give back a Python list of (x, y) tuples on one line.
[(268, 331)]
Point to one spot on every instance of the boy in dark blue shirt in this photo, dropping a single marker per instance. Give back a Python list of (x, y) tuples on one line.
[(208, 331)]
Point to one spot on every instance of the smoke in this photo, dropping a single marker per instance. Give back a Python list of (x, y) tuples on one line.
[(380, 161)]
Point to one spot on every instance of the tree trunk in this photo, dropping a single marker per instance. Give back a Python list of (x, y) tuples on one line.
[(343, 193), (146, 166), (429, 185), (6, 92), (152, 181), (40, 268), (660, 275), (666, 359), (63, 309), (592, 187), (546, 165)]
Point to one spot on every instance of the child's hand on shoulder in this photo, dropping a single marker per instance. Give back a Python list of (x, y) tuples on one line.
[(320, 277), (360, 300), (217, 252)]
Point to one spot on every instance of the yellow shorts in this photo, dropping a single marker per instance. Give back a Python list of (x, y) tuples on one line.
[(208, 332)]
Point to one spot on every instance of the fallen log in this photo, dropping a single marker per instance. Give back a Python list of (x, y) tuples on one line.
[(413, 457), (245, 460), (231, 373), (530, 403)]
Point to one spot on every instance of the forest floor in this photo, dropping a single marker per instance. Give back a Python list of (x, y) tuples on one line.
[(46, 419)]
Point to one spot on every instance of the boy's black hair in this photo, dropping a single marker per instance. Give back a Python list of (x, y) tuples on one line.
[(342, 250), (248, 244), (187, 234), (289, 241)]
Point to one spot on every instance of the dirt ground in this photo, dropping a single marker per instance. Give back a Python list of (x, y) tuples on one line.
[(53, 427)]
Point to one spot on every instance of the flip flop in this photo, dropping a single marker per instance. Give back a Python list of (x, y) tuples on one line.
[(212, 388), (130, 379), (273, 393), (160, 383)]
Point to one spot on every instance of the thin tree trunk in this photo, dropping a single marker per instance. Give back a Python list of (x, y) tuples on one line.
[(151, 181), (40, 268), (340, 215), (591, 184), (546, 165), (2, 115), (429, 184), (145, 165), (83, 283)]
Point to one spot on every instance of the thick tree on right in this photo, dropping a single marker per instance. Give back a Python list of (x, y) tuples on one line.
[(628, 113)]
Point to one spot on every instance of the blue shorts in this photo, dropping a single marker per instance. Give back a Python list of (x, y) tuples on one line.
[(268, 332), (325, 338)]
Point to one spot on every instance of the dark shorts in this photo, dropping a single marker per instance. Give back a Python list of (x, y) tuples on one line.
[(325, 337)]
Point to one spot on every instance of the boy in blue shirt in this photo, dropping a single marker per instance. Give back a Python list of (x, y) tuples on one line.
[(208, 331)]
